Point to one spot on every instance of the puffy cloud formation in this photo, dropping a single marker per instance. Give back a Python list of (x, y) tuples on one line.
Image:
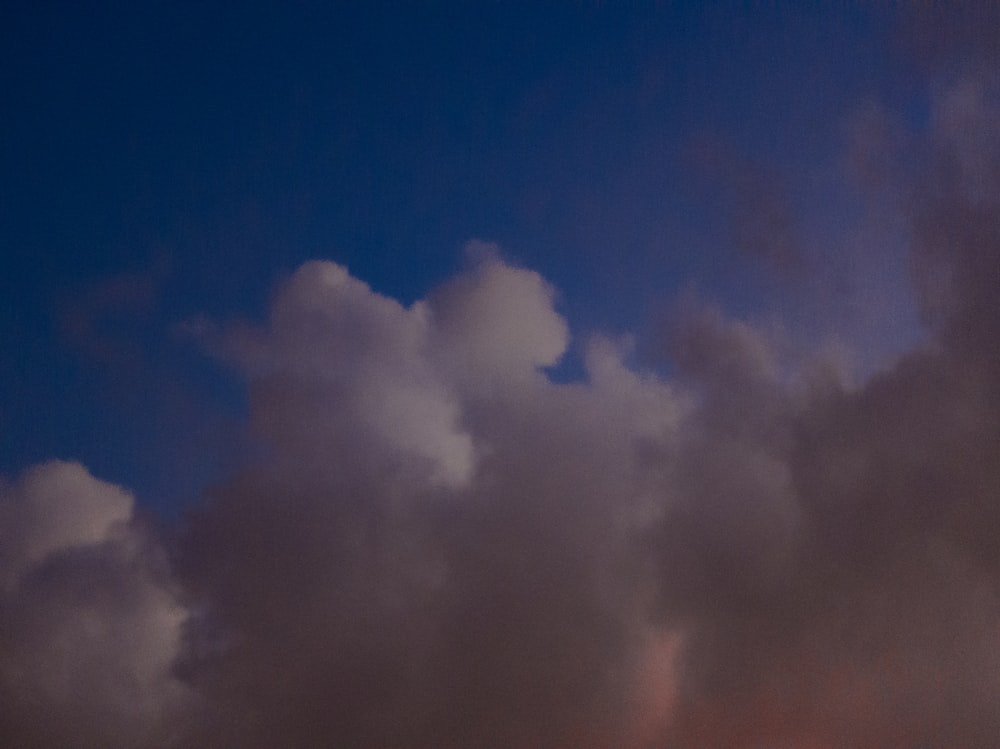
[(90, 623), (443, 547), (437, 545), (434, 550)]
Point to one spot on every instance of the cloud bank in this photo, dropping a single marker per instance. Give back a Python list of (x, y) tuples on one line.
[(438, 545)]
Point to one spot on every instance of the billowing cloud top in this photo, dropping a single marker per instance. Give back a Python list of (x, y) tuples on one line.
[(437, 526), (436, 545)]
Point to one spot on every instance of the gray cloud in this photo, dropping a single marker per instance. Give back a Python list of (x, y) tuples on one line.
[(758, 550), (435, 552), (436, 545), (90, 619), (831, 556)]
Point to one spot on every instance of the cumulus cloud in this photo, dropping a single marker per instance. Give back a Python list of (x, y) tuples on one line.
[(497, 324), (90, 621), (434, 552), (754, 550), (343, 368), (436, 545)]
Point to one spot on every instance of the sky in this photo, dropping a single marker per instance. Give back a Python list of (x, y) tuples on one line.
[(494, 375)]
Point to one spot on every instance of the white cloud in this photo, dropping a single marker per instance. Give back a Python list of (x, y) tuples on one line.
[(496, 325)]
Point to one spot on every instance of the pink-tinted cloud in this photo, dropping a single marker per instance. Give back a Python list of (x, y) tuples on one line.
[(435, 552), (437, 545), (90, 619)]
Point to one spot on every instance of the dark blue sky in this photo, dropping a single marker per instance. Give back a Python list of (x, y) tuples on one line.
[(164, 161)]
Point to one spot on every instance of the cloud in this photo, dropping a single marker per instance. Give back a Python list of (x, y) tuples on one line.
[(435, 545), (827, 554), (497, 323), (756, 550), (442, 547), (435, 551), (90, 621)]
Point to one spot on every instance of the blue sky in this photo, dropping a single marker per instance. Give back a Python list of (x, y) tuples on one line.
[(204, 152)]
